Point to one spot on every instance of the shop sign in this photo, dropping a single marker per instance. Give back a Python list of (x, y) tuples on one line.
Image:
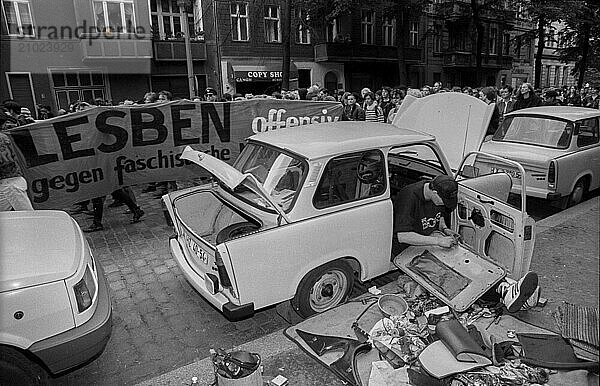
[(258, 76)]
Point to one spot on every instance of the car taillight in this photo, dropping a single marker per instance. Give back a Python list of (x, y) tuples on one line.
[(551, 175), (85, 290), (223, 276)]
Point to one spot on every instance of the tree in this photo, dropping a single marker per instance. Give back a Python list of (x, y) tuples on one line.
[(581, 37)]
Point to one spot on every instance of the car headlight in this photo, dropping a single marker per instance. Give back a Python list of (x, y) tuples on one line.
[(85, 290)]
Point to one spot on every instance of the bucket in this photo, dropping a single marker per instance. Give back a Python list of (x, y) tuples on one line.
[(238, 368)]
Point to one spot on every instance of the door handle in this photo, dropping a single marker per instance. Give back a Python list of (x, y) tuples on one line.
[(484, 201)]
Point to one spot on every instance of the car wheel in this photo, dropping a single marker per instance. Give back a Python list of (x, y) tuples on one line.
[(323, 288), (17, 369), (235, 230), (579, 190)]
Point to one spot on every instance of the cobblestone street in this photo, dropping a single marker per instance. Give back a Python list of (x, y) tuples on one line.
[(159, 321)]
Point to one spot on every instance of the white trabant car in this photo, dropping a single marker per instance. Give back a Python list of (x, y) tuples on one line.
[(304, 211), (56, 312), (559, 147)]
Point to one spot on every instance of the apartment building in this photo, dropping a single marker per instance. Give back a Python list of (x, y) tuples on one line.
[(57, 52)]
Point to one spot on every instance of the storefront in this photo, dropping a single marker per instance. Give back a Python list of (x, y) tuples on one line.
[(257, 79)]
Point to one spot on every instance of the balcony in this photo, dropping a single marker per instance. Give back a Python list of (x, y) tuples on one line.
[(460, 10), (461, 59), (118, 46), (349, 52), (174, 50)]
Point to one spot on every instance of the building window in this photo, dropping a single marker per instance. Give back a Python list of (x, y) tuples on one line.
[(506, 45), (17, 15), (437, 38), (547, 79), (239, 22), (303, 36), (389, 31), (550, 42), (114, 15), (167, 21), (366, 27), (565, 76), (556, 75), (493, 41), (413, 33), (334, 32), (70, 86), (272, 24)]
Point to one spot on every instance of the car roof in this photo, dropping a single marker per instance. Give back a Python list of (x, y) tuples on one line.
[(327, 139), (569, 113)]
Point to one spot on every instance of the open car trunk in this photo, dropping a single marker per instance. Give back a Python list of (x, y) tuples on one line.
[(497, 239)]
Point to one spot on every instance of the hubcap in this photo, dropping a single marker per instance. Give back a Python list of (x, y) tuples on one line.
[(328, 291)]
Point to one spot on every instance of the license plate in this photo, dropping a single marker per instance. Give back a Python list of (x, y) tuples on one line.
[(195, 248), (513, 173)]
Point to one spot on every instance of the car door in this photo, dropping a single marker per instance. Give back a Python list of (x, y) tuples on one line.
[(492, 221)]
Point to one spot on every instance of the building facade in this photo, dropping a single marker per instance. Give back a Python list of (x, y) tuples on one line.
[(55, 53)]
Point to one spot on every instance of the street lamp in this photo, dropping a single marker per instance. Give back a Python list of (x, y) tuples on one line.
[(188, 48)]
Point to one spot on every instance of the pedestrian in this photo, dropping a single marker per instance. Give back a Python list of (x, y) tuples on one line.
[(437, 87), (572, 97), (488, 95), (420, 210), (352, 110), (373, 112), (210, 94), (13, 187), (526, 97), (506, 102), (593, 100), (387, 103), (551, 98), (98, 205)]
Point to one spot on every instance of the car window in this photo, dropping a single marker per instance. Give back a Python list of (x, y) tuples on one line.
[(280, 174), (412, 163), (351, 177), (588, 132), (535, 130)]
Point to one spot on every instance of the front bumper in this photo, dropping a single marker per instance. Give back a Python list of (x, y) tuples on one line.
[(231, 311), (80, 344)]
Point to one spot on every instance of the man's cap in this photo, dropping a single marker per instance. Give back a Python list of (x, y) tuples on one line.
[(447, 189), (210, 90)]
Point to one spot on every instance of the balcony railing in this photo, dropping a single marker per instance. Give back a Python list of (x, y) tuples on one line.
[(175, 50), (351, 52), (468, 60), (118, 46)]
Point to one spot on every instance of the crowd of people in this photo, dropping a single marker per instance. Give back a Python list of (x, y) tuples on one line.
[(374, 106)]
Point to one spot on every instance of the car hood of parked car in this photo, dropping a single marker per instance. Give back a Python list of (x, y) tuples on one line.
[(457, 121), (230, 176), (522, 152), (38, 247)]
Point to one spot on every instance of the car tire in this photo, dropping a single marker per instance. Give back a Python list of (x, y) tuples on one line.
[(17, 369), (323, 288), (579, 191), (235, 230)]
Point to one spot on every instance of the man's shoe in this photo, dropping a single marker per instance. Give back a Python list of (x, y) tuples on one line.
[(533, 300), (93, 228), (149, 188), (116, 204), (137, 215), (516, 294)]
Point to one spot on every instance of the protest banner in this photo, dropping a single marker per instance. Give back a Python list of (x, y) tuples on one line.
[(91, 153)]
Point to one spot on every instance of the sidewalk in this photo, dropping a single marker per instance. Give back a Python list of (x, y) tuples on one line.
[(565, 258)]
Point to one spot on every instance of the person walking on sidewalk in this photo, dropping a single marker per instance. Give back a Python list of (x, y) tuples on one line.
[(419, 211), (98, 205)]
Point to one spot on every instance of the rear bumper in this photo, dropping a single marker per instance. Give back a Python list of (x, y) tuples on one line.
[(231, 311), (80, 344)]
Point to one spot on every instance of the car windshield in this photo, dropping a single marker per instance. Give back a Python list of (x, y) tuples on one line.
[(280, 174), (542, 131)]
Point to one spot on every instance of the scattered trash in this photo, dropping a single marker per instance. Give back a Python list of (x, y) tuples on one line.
[(374, 290), (511, 334), (279, 380), (239, 368)]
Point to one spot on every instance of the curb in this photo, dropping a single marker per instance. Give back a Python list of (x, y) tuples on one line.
[(567, 214), (268, 346)]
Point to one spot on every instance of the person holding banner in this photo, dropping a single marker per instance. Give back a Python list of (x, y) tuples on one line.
[(13, 187), (98, 205)]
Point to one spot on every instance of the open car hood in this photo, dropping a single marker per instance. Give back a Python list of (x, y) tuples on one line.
[(230, 176), (457, 121)]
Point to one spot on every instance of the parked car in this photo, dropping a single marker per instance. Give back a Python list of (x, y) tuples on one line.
[(559, 147), (56, 309), (305, 211)]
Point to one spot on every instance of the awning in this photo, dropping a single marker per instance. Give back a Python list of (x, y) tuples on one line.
[(266, 73)]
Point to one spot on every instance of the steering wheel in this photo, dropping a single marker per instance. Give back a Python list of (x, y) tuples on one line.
[(370, 167)]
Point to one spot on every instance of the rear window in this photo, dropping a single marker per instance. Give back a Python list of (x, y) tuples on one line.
[(542, 131)]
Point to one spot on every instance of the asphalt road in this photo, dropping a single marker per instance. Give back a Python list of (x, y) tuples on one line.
[(160, 322)]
